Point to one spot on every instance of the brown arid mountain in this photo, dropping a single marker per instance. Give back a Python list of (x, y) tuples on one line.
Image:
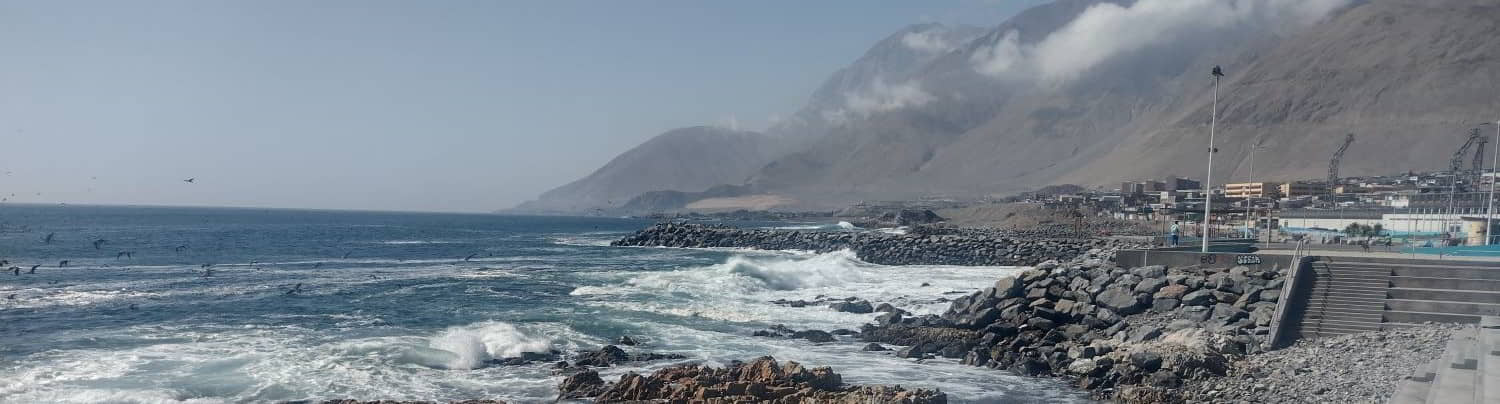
[(688, 159), (1094, 92), (1407, 77)]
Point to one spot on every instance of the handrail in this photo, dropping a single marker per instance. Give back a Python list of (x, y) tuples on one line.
[(1284, 300)]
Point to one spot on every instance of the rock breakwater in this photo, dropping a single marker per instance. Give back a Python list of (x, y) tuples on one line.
[(875, 247), (1133, 335)]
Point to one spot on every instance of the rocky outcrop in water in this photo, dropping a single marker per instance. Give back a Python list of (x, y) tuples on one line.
[(609, 355), (1104, 327), (874, 247), (761, 380)]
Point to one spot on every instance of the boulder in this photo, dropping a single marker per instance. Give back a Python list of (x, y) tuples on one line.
[(874, 347), (814, 336), (1164, 305), (1008, 287), (1198, 298), (1150, 285), (1173, 291), (1122, 301), (580, 385), (856, 307), (1148, 272)]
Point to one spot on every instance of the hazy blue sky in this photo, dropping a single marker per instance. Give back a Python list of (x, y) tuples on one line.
[(399, 105)]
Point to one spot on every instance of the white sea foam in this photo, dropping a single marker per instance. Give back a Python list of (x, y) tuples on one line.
[(470, 346), (740, 289)]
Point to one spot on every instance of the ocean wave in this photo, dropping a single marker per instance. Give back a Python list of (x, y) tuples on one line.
[(470, 346)]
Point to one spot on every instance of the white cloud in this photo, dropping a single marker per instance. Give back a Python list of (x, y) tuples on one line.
[(930, 41), (1105, 31), (1002, 57), (882, 97)]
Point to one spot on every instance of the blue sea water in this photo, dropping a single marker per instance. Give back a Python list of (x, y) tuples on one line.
[(413, 305)]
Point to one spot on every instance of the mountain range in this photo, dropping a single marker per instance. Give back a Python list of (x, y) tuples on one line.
[(1093, 92)]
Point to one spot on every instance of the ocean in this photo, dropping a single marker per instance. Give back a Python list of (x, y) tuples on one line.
[(206, 307)]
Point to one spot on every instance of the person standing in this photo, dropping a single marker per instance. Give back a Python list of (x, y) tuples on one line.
[(1175, 232)]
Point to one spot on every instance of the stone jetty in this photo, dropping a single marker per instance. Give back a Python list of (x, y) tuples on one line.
[(876, 247), (1127, 334)]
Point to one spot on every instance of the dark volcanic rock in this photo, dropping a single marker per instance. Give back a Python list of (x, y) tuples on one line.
[(761, 380), (856, 307)]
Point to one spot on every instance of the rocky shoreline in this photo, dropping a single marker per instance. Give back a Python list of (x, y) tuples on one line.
[(1131, 335), (760, 380), (916, 248)]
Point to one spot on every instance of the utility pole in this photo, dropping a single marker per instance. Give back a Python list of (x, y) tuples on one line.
[(1208, 180)]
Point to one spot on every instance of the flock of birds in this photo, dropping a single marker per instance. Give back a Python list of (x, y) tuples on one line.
[(205, 270)]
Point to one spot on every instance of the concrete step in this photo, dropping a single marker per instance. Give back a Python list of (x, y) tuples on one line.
[(1449, 295), (1464, 273), (1407, 262), (1418, 317), (1478, 309), (1373, 307), (1424, 282)]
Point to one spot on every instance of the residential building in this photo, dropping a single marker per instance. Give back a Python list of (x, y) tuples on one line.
[(1252, 190), (1296, 189)]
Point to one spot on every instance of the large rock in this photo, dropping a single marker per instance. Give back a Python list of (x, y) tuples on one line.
[(1198, 298), (1122, 301), (856, 307)]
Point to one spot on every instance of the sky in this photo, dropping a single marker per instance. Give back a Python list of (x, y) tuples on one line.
[(461, 106)]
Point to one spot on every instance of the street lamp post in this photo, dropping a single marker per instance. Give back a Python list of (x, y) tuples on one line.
[(1489, 209), (1208, 180), (1249, 201)]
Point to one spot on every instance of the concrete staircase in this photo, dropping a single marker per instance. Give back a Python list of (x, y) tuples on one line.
[(1355, 294), (1467, 373)]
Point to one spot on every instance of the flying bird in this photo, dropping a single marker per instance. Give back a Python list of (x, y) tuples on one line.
[(346, 254), (295, 289), (33, 268), (98, 244), (11, 297), (317, 265), (189, 180), (62, 264), (133, 307), (470, 257), (48, 239), (17, 270), (126, 254)]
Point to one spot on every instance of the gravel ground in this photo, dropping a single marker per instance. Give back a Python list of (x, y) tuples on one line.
[(1355, 368)]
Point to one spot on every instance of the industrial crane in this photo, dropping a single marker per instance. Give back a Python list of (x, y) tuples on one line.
[(1333, 164), (1456, 164)]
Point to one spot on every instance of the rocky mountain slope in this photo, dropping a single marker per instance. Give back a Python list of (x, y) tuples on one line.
[(1093, 92), (688, 159)]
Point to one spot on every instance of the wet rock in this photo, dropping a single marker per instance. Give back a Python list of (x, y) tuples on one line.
[(856, 307), (626, 340), (874, 347), (581, 385), (814, 336)]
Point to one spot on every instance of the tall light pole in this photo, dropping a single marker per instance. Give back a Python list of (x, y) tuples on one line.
[(1249, 202), (1489, 210), (1208, 180)]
